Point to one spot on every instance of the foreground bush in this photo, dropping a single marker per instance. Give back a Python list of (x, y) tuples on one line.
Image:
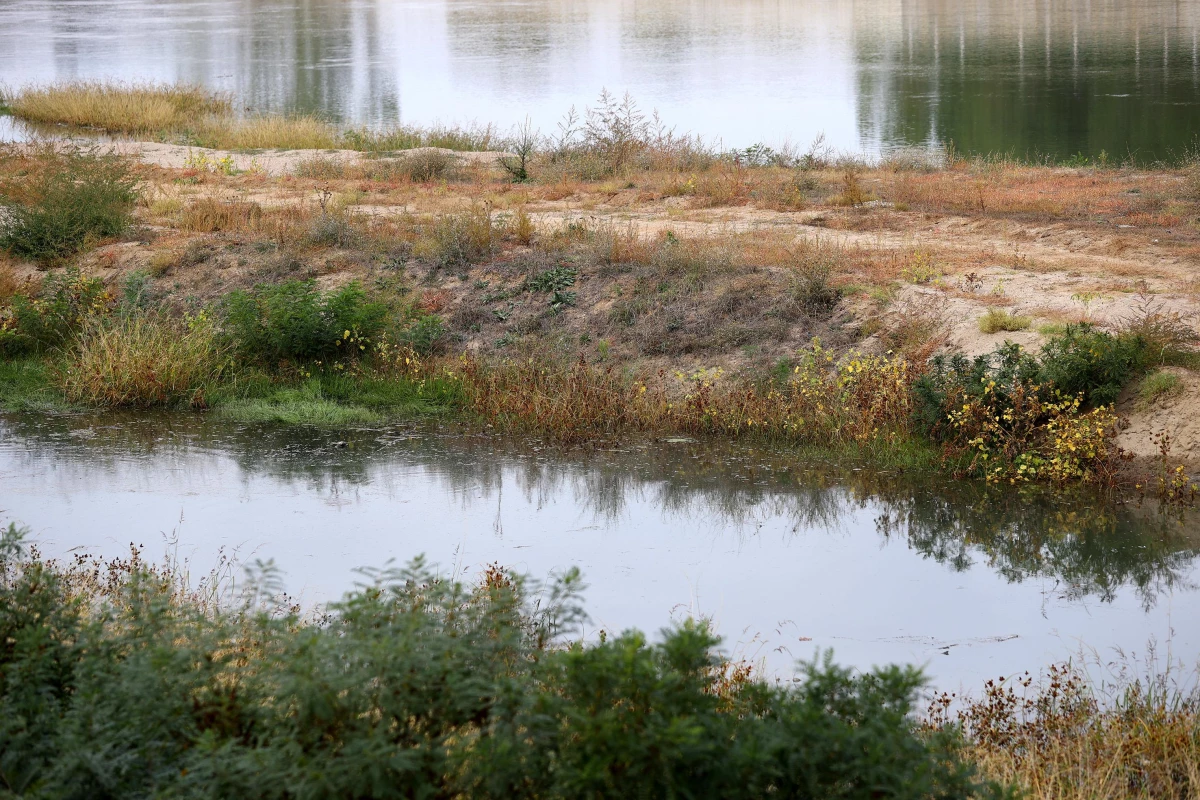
[(144, 360), (297, 321), (69, 200), (116, 682)]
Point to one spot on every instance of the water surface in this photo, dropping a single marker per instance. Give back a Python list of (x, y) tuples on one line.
[(786, 556), (1053, 77)]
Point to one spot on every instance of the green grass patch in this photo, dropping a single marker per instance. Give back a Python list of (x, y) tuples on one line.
[(292, 407), (333, 399), (997, 320), (1157, 386), (27, 384)]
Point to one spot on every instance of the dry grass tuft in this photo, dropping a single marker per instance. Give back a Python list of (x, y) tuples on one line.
[(214, 215), (144, 360), (119, 107), (262, 133)]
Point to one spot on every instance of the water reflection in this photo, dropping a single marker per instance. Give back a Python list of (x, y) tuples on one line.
[(1024, 76), (1089, 548), (1031, 78)]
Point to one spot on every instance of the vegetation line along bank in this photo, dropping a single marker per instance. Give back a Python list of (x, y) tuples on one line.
[(347, 290)]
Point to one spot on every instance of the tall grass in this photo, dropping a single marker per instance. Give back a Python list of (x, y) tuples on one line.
[(118, 107), (204, 118), (142, 360), (864, 400)]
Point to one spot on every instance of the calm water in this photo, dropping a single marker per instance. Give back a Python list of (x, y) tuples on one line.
[(784, 556), (1030, 76)]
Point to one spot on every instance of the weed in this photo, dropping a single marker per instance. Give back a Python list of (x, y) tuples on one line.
[(457, 240), (428, 164), (1064, 736), (997, 320), (523, 145), (56, 316), (853, 193), (920, 268), (408, 138), (426, 335), (917, 327), (73, 198), (552, 280), (215, 215), (813, 266), (1168, 336)]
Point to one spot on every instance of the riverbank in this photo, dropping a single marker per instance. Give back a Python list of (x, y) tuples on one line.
[(663, 268)]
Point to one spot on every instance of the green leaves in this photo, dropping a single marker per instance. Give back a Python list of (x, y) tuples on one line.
[(296, 320), (416, 686)]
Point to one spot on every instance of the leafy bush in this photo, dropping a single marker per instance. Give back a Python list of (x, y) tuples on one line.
[(995, 413), (1092, 363), (71, 199), (57, 315), (426, 334), (115, 681), (296, 320)]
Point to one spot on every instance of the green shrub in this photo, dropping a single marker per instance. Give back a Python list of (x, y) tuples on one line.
[(56, 316), (426, 335), (296, 320), (117, 682), (69, 201), (1092, 363), (949, 381)]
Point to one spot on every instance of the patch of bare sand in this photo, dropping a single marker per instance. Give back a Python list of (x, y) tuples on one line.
[(1177, 415), (271, 162)]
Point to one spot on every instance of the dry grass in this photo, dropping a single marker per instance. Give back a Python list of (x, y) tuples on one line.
[(214, 215), (1059, 740), (262, 133), (144, 360), (863, 400), (119, 107)]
